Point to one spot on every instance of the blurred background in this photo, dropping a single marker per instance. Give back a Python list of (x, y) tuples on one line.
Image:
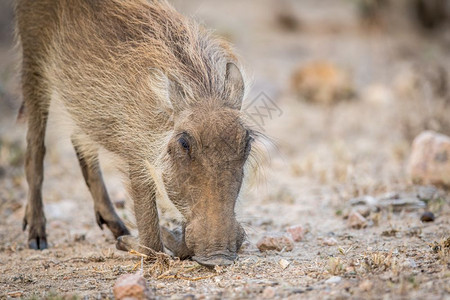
[(342, 87)]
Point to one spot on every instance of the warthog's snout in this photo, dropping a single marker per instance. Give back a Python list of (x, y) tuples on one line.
[(213, 244), (219, 258)]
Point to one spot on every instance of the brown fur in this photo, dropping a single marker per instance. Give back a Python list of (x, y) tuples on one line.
[(135, 77)]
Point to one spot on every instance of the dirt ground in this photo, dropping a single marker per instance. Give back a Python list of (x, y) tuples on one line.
[(322, 158)]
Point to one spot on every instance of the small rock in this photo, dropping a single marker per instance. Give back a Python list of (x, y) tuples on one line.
[(322, 82), (366, 285), (330, 242), (268, 293), (430, 159), (355, 220), (427, 216), (283, 263), (131, 286), (297, 232), (276, 242), (15, 294), (333, 280), (427, 193)]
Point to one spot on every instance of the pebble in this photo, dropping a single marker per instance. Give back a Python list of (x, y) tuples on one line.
[(427, 216), (297, 232), (283, 263), (131, 286), (275, 241), (15, 294), (330, 242), (429, 162), (333, 280), (427, 193), (356, 220)]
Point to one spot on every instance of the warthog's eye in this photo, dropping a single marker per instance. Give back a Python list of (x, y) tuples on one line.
[(184, 143)]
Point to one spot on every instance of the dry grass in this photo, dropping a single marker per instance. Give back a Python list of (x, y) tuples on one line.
[(379, 261), (335, 266), (442, 249), (161, 266)]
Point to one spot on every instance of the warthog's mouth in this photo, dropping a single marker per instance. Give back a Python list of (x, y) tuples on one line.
[(220, 258)]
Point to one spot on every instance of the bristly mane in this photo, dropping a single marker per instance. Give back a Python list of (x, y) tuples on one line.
[(161, 38), (128, 51)]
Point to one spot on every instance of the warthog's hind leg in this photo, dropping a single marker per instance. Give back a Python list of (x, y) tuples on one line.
[(104, 209)]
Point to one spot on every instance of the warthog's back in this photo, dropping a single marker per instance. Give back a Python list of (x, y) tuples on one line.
[(108, 62)]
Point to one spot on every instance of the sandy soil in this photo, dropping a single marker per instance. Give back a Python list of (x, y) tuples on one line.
[(323, 157)]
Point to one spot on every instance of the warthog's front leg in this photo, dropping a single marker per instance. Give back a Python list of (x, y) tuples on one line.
[(37, 101), (173, 240), (142, 191)]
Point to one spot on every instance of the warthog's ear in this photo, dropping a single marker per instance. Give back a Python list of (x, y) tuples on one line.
[(234, 87)]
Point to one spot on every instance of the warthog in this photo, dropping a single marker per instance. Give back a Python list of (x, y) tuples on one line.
[(159, 92)]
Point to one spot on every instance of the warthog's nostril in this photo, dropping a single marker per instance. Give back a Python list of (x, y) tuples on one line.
[(216, 259)]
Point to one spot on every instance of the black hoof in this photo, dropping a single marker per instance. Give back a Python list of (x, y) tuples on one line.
[(128, 243), (120, 245), (38, 244)]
